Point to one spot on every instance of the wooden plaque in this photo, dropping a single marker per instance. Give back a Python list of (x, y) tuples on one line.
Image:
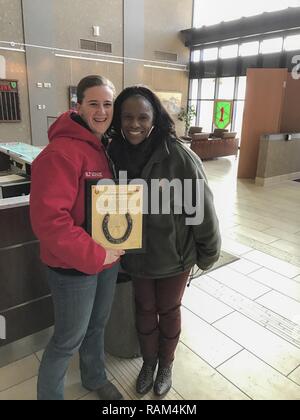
[(115, 215)]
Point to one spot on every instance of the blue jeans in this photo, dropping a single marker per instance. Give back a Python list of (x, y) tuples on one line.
[(82, 307)]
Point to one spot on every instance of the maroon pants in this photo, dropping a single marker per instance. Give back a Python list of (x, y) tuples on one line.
[(158, 316)]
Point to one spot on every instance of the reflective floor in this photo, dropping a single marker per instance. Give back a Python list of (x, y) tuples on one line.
[(240, 323)]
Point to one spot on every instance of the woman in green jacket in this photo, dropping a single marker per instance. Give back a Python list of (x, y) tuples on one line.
[(178, 236)]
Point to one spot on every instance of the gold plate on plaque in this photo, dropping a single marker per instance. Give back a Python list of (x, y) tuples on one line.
[(117, 216)]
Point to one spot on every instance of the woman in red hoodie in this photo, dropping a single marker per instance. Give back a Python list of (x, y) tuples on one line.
[(81, 273)]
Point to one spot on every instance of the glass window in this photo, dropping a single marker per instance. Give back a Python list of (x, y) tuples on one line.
[(194, 104), (197, 14), (211, 13), (268, 46), (292, 43), (229, 51), (206, 115), (226, 88), (194, 89), (208, 88), (241, 87), (210, 54), (239, 109), (195, 56), (249, 48)]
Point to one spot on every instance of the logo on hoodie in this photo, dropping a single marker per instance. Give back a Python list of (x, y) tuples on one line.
[(92, 174)]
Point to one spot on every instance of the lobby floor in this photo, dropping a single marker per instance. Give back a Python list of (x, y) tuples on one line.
[(240, 323)]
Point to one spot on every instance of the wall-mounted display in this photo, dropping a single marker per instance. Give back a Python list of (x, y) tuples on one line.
[(9, 101), (171, 101)]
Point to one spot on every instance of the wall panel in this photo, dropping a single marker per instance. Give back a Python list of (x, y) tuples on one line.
[(262, 114), (291, 111)]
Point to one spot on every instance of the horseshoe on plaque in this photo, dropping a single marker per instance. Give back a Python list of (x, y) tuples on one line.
[(109, 236)]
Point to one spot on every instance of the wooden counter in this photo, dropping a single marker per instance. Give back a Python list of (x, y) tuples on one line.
[(25, 299), (278, 158)]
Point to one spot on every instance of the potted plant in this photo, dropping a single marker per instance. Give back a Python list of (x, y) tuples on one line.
[(186, 115)]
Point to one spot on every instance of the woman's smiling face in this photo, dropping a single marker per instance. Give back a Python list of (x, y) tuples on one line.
[(96, 108), (137, 118)]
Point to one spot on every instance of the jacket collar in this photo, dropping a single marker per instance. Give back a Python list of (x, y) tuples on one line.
[(160, 153)]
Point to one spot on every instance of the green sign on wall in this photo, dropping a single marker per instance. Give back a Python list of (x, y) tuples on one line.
[(222, 113)]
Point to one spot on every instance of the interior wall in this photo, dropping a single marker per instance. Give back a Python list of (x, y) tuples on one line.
[(71, 71), (11, 24), (11, 29), (291, 110), (108, 16), (133, 41), (74, 20), (70, 21), (163, 21)]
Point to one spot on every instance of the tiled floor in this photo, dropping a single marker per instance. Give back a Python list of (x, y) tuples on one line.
[(240, 324)]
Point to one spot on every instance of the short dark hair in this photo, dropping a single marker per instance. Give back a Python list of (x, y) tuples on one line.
[(163, 123), (91, 81)]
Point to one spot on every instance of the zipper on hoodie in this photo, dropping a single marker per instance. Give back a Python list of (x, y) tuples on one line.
[(193, 274), (110, 163), (178, 247)]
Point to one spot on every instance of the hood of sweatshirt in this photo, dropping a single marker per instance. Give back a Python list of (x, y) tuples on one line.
[(66, 126)]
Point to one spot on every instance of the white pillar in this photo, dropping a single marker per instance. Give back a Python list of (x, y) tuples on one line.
[(2, 67)]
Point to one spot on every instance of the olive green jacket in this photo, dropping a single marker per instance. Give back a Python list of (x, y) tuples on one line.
[(172, 246)]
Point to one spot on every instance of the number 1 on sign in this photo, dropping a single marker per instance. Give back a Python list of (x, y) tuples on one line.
[(222, 114)]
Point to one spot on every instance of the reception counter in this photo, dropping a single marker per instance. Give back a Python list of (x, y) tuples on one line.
[(25, 301), (278, 159)]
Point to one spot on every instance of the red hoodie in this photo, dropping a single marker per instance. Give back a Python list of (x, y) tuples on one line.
[(57, 196)]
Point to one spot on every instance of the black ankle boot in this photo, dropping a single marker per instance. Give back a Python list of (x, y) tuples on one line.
[(145, 379), (163, 381)]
